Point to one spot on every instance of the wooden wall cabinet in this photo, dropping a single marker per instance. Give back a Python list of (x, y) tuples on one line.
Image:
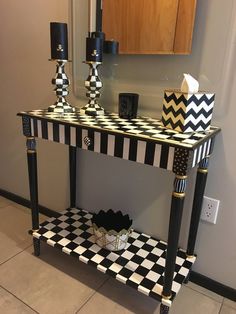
[(150, 26)]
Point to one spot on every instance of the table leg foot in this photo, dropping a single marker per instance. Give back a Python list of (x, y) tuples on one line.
[(36, 243), (186, 280), (164, 309)]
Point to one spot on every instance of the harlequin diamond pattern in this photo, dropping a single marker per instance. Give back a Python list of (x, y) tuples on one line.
[(140, 265)]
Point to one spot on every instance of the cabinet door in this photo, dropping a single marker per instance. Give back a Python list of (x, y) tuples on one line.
[(145, 26), (184, 26)]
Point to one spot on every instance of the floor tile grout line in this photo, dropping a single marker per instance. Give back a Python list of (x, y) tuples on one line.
[(206, 295), (6, 205), (91, 296), (15, 255), (19, 299), (220, 307), (228, 305)]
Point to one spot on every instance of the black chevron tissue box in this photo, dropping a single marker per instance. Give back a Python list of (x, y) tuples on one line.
[(187, 112)]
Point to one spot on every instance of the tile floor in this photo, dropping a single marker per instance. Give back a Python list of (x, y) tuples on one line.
[(56, 283)]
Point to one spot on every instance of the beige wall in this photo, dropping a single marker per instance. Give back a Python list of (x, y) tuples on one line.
[(145, 192), (25, 84), (104, 182)]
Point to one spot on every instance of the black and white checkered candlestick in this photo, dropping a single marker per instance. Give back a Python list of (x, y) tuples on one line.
[(93, 84), (61, 90)]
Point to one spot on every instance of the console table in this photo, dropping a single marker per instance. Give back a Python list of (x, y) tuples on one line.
[(149, 265)]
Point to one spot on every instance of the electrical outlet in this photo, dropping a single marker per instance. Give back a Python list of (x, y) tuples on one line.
[(210, 208)]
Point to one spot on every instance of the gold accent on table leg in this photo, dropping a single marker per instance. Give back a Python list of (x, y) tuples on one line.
[(166, 297), (181, 177), (179, 195), (202, 170), (30, 137), (31, 151), (190, 256), (35, 230)]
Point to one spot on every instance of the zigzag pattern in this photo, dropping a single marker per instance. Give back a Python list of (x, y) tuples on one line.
[(187, 113), (196, 98), (190, 106), (185, 122), (202, 106), (201, 118), (174, 106), (176, 113), (189, 127), (208, 98), (173, 96), (170, 116)]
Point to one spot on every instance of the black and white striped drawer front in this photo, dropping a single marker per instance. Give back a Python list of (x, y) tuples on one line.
[(202, 151), (118, 145), (145, 152)]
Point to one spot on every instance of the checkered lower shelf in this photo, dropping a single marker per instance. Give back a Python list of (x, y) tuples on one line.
[(141, 265)]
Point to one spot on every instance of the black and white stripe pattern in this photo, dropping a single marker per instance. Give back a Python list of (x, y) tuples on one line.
[(180, 185), (157, 155), (204, 163), (141, 127), (142, 140), (201, 152), (187, 112)]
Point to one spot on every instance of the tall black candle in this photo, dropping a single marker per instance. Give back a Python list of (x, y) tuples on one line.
[(94, 49), (59, 41)]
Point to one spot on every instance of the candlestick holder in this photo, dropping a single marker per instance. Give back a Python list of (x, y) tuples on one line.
[(61, 82), (93, 85)]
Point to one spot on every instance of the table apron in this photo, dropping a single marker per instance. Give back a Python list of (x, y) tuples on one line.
[(176, 159)]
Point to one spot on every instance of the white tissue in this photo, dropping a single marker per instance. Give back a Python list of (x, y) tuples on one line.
[(189, 84)]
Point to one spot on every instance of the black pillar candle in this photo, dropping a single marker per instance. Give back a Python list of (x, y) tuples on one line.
[(111, 47), (128, 105), (59, 41), (94, 47), (99, 35)]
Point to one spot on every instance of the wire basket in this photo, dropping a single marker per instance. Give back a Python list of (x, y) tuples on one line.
[(111, 240), (111, 229)]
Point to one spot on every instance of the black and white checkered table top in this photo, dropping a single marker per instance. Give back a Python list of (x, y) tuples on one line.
[(141, 265), (141, 127)]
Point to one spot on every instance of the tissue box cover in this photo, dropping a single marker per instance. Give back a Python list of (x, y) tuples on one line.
[(187, 112)]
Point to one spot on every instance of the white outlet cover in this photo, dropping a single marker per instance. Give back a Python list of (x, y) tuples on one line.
[(210, 209)]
